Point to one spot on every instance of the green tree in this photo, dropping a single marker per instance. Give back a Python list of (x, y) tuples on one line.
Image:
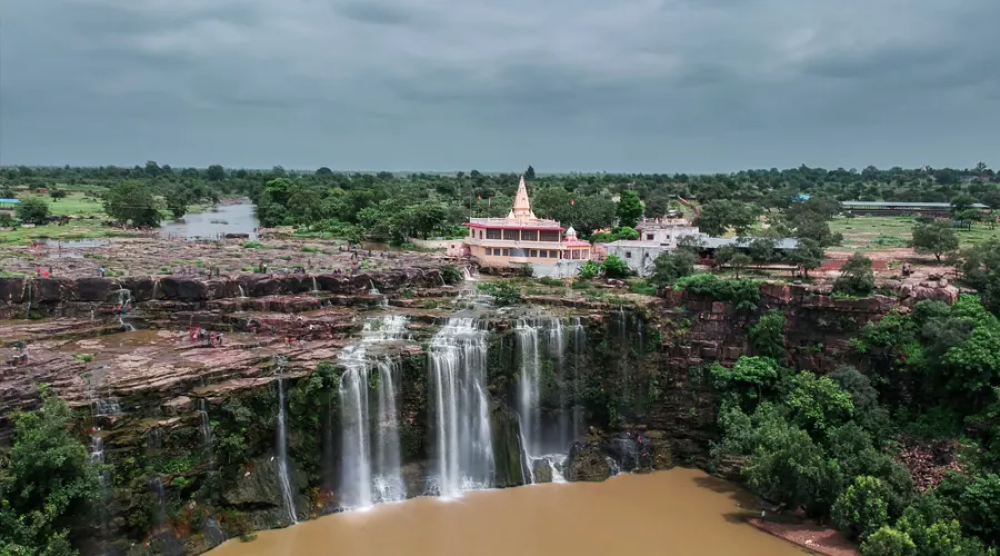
[(817, 403), (629, 209), (671, 265), (807, 254), (614, 267), (768, 335), (47, 482), (856, 276), (7, 221), (862, 508), (529, 174), (936, 238), (177, 201), (132, 202), (57, 193), (33, 210), (888, 542), (721, 214), (215, 173), (749, 379)]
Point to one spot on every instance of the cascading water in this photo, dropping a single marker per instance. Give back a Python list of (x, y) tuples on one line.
[(579, 335), (160, 517), (286, 487), (243, 293), (371, 471), (124, 300), (315, 287), (96, 453), (106, 407), (457, 361), (156, 289), (206, 425), (549, 443)]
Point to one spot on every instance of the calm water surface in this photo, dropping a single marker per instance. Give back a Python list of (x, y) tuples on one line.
[(228, 219), (680, 512)]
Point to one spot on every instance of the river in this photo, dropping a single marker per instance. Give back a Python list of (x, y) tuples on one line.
[(227, 219), (681, 512)]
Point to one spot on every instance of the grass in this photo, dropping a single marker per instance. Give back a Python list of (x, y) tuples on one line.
[(76, 229), (74, 204), (875, 233)]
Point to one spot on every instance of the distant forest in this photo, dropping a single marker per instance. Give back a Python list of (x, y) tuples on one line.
[(387, 206)]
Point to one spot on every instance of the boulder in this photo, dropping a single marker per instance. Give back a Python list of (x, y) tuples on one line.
[(183, 289), (588, 462), (507, 453)]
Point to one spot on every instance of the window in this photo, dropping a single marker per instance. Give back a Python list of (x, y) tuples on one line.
[(554, 254), (511, 235), (544, 253), (533, 253), (492, 234), (480, 234), (649, 237), (628, 254), (504, 252), (529, 235), (549, 236), (576, 253)]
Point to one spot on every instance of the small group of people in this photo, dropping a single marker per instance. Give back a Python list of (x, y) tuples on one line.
[(206, 338), (123, 308), (21, 353), (293, 342), (42, 273)]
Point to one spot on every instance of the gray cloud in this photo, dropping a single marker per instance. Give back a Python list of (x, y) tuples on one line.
[(649, 85)]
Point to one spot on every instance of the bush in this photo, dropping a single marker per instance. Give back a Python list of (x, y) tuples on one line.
[(589, 270), (57, 194), (670, 266), (549, 281), (33, 210), (856, 276), (862, 509), (888, 542), (7, 221), (614, 267), (745, 294), (503, 292), (252, 245), (526, 271), (450, 274)]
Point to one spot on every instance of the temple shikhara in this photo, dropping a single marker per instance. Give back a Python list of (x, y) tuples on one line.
[(524, 239)]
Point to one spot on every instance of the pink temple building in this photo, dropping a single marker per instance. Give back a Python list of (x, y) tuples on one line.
[(524, 239)]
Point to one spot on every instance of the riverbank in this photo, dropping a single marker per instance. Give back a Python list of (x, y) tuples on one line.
[(821, 540)]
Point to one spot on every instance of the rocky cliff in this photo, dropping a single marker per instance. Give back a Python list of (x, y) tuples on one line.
[(190, 431)]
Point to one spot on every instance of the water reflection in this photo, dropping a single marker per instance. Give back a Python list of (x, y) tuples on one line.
[(680, 512), (226, 219)]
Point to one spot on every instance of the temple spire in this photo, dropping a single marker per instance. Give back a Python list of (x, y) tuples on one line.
[(522, 206)]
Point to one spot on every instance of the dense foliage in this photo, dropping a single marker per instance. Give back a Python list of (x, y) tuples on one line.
[(827, 444), (46, 483)]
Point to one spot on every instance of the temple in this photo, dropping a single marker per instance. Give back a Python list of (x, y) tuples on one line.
[(524, 239)]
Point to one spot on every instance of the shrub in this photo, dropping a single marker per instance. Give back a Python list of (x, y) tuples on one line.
[(673, 265), (742, 293), (589, 270), (888, 542), (614, 267), (33, 210), (252, 245), (450, 274), (57, 194), (862, 509)]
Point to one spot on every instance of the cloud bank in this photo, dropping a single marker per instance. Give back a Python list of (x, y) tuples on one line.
[(564, 85)]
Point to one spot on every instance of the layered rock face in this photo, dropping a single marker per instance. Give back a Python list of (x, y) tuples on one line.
[(194, 434)]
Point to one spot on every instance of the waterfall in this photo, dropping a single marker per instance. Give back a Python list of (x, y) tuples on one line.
[(154, 438), (286, 487), (373, 290), (160, 517), (528, 388), (206, 425), (579, 342), (548, 443), (96, 453), (106, 407), (243, 294), (156, 288), (315, 287), (371, 470), (457, 362), (124, 298), (467, 275)]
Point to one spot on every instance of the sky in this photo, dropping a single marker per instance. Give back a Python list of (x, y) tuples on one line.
[(496, 85)]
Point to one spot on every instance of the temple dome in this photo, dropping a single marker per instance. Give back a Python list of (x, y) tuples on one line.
[(570, 233)]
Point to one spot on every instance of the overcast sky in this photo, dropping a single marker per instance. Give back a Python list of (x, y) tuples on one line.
[(563, 85)]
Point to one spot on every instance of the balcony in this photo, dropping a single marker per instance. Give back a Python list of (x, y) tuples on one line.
[(514, 244)]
